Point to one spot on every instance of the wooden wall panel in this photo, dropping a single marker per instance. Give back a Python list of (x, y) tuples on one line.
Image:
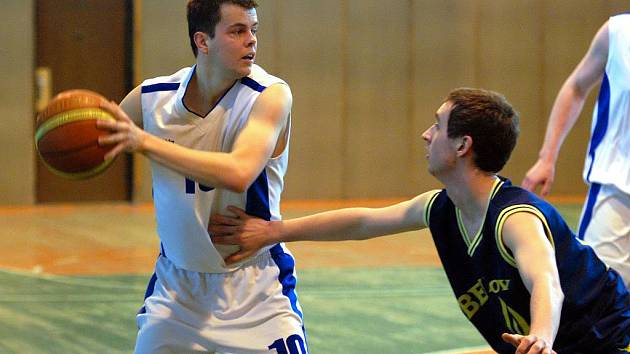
[(377, 82), (267, 54), (309, 56), (367, 77), (569, 29), (510, 62), (618, 6), (443, 59), (401, 57), (17, 57)]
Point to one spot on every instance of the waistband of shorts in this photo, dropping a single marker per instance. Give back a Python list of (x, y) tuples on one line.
[(263, 255)]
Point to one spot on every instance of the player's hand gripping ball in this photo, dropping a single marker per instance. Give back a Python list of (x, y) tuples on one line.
[(66, 135)]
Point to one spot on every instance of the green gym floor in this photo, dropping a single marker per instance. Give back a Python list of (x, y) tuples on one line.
[(73, 276)]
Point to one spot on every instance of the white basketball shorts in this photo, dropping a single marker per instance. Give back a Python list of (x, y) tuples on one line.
[(605, 226), (251, 310)]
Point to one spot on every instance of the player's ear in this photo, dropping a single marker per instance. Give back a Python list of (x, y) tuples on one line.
[(464, 145), (201, 41)]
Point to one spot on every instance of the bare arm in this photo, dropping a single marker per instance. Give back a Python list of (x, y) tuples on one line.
[(524, 235), (566, 110), (132, 105), (251, 234), (235, 170)]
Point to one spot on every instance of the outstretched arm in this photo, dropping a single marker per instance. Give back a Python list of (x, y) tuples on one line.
[(251, 234), (566, 110), (234, 170), (524, 234)]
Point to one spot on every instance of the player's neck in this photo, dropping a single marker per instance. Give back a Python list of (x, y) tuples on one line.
[(205, 89), (470, 192)]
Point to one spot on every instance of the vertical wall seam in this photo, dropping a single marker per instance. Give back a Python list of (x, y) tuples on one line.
[(542, 92), (477, 43), (411, 90), (345, 178)]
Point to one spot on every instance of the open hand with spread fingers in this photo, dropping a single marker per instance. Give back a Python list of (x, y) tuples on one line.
[(125, 134), (530, 344), (250, 233)]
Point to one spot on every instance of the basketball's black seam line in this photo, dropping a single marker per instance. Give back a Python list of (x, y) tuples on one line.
[(74, 149)]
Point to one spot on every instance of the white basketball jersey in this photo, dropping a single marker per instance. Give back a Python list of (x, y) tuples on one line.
[(608, 154), (183, 206)]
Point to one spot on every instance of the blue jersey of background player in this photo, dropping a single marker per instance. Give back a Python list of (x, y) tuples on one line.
[(505, 250)]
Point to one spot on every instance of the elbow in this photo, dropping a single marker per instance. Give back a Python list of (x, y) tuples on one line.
[(237, 185), (238, 182), (559, 292)]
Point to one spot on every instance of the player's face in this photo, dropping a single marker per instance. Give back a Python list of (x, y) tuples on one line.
[(441, 151), (233, 47)]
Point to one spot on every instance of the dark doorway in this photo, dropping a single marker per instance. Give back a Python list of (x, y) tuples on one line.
[(86, 44)]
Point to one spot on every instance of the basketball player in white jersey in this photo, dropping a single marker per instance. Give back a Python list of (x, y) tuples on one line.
[(217, 134), (605, 220)]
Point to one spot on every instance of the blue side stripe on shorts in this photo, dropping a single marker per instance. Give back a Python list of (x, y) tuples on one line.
[(601, 125), (149, 291), (258, 205), (588, 209), (286, 264), (166, 86)]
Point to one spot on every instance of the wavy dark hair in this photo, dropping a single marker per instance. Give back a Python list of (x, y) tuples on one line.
[(203, 16), (490, 120)]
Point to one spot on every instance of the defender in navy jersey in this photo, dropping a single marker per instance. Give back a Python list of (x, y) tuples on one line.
[(605, 220), (216, 134), (491, 293), (519, 275)]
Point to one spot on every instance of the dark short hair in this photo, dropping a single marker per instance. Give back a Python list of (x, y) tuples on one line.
[(203, 16), (490, 120)]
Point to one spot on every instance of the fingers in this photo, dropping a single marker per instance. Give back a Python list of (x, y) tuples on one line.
[(113, 126), (546, 188), (223, 239), (221, 230), (530, 344), (114, 152), (224, 220), (513, 339), (528, 184), (237, 257), (240, 213), (114, 109), (111, 139)]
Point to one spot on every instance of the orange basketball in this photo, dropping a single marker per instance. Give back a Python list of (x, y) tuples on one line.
[(66, 135)]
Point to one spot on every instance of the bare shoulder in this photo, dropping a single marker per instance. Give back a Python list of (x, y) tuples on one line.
[(278, 93), (523, 228), (273, 106)]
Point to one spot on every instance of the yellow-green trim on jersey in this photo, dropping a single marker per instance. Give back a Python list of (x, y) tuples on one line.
[(498, 232), (473, 242), (428, 205)]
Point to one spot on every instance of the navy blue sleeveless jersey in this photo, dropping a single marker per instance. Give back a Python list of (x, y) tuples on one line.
[(483, 274)]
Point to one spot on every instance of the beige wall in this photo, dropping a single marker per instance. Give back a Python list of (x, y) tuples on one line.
[(367, 76), (17, 152)]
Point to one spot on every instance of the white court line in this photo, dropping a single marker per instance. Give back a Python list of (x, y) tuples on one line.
[(67, 298), (72, 280), (461, 350)]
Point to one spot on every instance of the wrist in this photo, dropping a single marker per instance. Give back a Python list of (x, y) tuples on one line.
[(143, 142), (275, 231), (547, 156)]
